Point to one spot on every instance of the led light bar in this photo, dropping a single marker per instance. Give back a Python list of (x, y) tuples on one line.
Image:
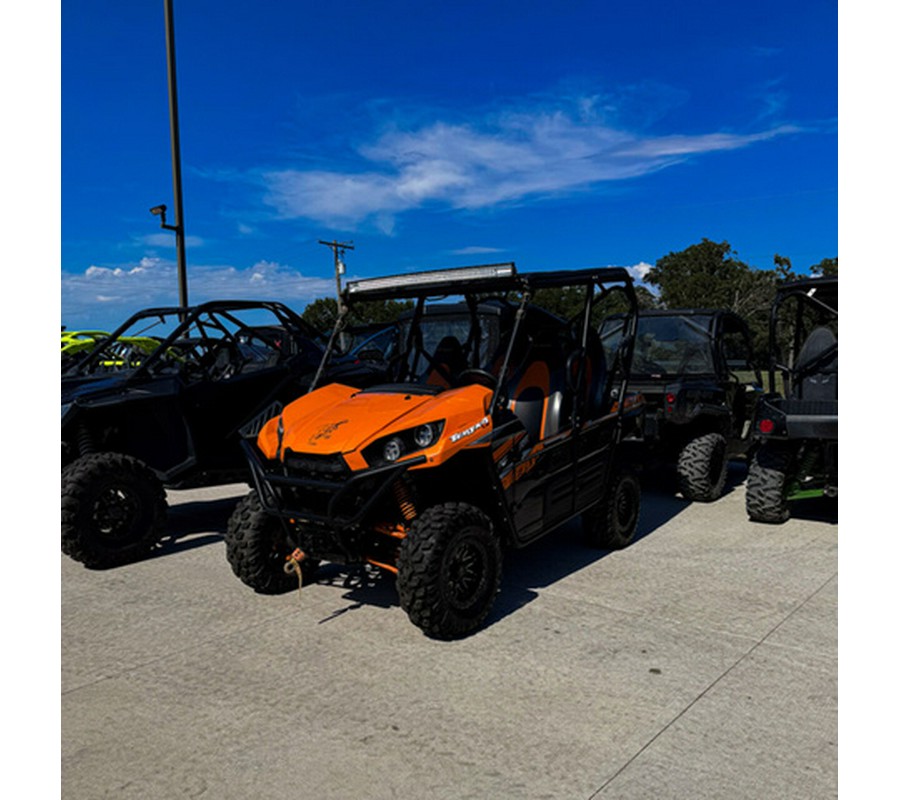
[(445, 279)]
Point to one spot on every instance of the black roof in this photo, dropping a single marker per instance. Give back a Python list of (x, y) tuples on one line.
[(822, 291)]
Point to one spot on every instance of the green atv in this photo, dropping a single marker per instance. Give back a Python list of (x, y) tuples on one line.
[(796, 426)]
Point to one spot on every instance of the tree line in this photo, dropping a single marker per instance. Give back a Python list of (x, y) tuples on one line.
[(704, 275)]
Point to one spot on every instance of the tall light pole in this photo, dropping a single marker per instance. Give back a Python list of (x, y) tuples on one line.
[(178, 226), (338, 249)]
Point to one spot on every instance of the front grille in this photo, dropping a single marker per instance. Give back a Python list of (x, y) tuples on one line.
[(327, 467)]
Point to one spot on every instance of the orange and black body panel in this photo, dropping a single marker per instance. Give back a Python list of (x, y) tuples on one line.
[(514, 415)]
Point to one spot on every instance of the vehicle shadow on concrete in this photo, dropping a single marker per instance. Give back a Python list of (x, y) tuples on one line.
[(195, 524), (361, 586), (525, 572), (565, 552), (819, 509)]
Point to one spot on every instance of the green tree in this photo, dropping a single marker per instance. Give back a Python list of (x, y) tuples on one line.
[(322, 313), (378, 312), (709, 275), (705, 275), (568, 301), (564, 301), (826, 267), (784, 269)]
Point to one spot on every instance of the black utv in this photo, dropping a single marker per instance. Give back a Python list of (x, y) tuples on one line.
[(695, 369), (796, 426), (499, 422), (138, 420)]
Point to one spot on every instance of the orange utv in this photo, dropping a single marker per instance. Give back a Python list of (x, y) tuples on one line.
[(500, 423)]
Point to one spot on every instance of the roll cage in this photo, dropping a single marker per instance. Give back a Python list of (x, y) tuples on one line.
[(194, 336), (497, 289), (809, 309)]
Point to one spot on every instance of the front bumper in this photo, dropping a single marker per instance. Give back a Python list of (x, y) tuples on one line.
[(340, 502)]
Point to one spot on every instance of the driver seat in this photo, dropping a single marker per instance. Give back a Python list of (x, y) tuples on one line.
[(450, 359), (816, 367), (536, 391)]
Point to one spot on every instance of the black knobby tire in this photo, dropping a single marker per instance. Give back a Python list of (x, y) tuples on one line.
[(448, 570), (257, 548), (767, 479), (703, 467), (612, 523), (113, 510)]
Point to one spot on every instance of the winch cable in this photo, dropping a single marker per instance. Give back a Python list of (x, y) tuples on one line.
[(292, 564)]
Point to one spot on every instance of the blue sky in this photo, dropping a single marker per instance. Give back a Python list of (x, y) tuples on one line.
[(566, 134), (432, 134)]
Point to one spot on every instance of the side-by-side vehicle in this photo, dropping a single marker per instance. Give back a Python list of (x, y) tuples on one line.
[(695, 369), (137, 420), (796, 425), (498, 423)]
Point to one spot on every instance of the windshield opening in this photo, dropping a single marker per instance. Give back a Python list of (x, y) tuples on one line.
[(675, 345)]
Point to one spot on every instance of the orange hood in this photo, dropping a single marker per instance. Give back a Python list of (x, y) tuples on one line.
[(341, 419)]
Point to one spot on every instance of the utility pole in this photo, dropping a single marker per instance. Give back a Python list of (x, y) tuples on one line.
[(338, 249), (178, 227)]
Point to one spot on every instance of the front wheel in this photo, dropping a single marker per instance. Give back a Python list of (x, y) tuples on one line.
[(611, 524), (448, 570), (257, 548), (767, 478), (703, 467), (113, 510)]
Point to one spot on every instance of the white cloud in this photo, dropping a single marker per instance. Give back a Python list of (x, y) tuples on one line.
[(676, 146), (168, 240), (475, 251), (639, 271), (104, 296), (513, 157)]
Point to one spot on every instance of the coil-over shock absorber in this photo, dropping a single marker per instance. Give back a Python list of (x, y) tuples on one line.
[(85, 441), (404, 497)]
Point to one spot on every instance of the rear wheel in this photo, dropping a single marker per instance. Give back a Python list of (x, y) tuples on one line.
[(448, 570), (703, 467), (611, 524), (257, 548), (113, 510), (767, 478)]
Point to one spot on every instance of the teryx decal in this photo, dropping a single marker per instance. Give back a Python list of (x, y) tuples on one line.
[(469, 431)]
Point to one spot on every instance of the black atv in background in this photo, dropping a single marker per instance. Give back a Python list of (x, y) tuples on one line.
[(134, 422), (796, 426), (694, 368)]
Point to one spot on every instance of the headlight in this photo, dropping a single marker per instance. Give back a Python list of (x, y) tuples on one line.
[(425, 435), (393, 447)]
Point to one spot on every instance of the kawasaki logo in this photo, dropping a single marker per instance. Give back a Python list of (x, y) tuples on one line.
[(326, 430)]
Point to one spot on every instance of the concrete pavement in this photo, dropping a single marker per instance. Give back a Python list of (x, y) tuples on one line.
[(700, 662)]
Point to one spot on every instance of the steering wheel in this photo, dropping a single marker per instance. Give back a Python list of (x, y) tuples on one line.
[(474, 375), (643, 364), (226, 361)]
